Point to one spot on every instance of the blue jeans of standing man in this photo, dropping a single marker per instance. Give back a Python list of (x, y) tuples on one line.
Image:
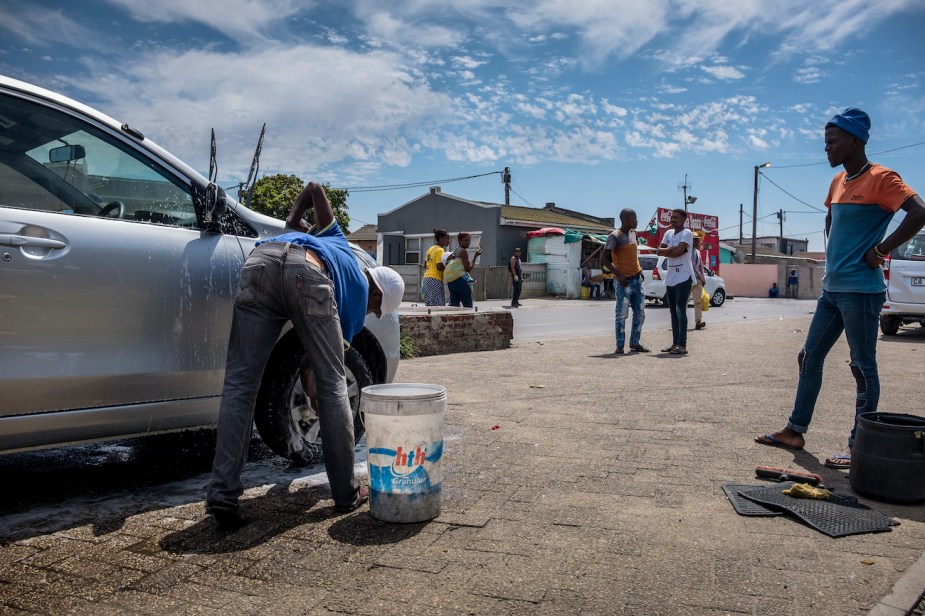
[(630, 296), (856, 314), (677, 306), (278, 285)]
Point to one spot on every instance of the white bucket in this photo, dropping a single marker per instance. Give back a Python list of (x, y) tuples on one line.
[(404, 450)]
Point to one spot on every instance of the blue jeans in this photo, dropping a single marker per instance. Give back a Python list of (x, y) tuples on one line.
[(856, 314), (630, 296), (677, 305), (460, 292), (278, 285)]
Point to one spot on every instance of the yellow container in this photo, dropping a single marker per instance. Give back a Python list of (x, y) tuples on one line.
[(585, 292)]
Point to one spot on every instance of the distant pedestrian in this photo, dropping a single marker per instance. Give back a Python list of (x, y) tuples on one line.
[(861, 203), (460, 291), (700, 280), (774, 292), (432, 280), (517, 277), (587, 280), (676, 246), (621, 256), (793, 284)]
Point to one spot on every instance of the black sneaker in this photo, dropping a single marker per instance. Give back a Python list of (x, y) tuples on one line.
[(618, 351), (230, 520), (361, 498)]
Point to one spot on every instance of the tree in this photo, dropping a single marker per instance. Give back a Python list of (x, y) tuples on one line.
[(274, 194)]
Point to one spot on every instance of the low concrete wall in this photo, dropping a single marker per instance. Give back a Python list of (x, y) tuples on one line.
[(747, 280), (442, 332)]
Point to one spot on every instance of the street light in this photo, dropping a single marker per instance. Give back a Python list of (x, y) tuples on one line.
[(755, 212)]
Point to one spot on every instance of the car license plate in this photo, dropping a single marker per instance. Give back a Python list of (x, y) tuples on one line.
[(918, 282)]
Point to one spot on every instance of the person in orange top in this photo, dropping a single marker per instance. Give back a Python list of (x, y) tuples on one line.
[(862, 200), (620, 256)]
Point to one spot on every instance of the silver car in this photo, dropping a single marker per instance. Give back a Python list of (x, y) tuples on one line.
[(118, 265), (905, 294)]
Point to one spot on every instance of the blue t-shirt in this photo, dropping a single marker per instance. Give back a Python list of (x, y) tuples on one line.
[(861, 211), (351, 289)]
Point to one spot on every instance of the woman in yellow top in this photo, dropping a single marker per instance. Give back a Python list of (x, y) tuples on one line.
[(432, 281)]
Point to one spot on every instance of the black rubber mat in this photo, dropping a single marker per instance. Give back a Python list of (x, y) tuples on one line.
[(837, 517), (742, 505)]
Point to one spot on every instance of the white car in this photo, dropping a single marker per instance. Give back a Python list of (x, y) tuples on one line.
[(654, 270), (904, 269)]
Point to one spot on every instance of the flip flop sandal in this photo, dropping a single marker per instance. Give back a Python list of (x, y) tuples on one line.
[(838, 461), (770, 441)]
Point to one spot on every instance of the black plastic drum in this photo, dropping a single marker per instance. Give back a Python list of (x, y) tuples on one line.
[(888, 457)]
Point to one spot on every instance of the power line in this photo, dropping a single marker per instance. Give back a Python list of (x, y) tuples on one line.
[(380, 187), (524, 199), (790, 195), (902, 147)]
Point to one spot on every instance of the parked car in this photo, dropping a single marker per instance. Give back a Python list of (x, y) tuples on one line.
[(904, 269), (655, 269), (118, 265)]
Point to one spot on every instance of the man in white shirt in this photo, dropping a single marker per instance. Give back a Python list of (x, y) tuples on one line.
[(676, 246)]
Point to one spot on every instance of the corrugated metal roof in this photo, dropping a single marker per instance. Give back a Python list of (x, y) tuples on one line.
[(364, 233), (544, 217)]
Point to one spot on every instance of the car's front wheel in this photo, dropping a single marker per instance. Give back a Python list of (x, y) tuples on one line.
[(889, 324), (719, 297), (286, 421)]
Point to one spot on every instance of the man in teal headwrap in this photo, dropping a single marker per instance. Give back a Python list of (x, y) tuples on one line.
[(862, 201)]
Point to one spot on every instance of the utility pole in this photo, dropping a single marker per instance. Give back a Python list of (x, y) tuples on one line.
[(780, 218), (687, 200), (506, 179), (740, 225)]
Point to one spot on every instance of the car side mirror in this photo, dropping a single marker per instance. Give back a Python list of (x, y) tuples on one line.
[(66, 153), (215, 204)]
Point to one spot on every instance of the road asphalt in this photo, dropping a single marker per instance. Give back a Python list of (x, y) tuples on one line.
[(575, 482)]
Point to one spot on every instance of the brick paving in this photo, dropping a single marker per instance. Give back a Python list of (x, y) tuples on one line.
[(599, 493)]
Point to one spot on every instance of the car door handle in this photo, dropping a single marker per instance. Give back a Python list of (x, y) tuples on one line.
[(26, 240)]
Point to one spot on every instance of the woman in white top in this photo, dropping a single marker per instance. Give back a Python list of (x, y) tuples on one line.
[(676, 246)]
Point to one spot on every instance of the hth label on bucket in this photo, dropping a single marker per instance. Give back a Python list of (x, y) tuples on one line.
[(413, 469)]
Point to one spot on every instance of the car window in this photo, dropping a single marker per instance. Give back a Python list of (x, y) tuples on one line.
[(648, 263), (913, 250), (52, 161)]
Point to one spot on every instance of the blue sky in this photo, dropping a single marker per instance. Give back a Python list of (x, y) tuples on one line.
[(594, 105)]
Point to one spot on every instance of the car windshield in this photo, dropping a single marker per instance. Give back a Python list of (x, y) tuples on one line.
[(913, 250), (648, 263)]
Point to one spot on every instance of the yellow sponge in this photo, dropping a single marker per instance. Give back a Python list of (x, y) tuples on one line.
[(804, 490)]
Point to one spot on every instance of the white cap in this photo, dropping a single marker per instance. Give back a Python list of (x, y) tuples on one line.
[(390, 284)]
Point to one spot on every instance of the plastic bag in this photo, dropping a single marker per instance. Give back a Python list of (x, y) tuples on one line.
[(454, 269), (704, 300)]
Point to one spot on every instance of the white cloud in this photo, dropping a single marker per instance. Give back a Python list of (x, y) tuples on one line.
[(724, 72), (467, 62), (757, 142), (314, 115), (809, 74), (667, 88), (39, 26), (234, 18)]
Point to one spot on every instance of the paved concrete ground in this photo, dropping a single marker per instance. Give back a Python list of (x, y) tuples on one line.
[(598, 493)]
